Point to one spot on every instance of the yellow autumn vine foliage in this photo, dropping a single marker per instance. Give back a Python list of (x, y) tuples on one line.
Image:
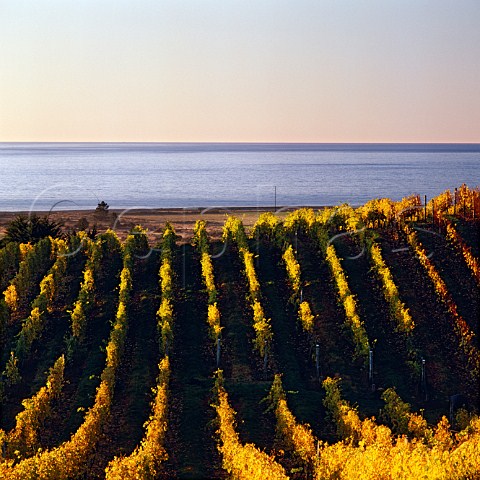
[(34, 325), (50, 284), (265, 226), (70, 459), (241, 461), (454, 237), (165, 322), (409, 207), (306, 317), (398, 414), (214, 321), (466, 198), (293, 272), (166, 278), (390, 291), (213, 315), (371, 451), (207, 272), (165, 311), (347, 299), (201, 241), (23, 440), (25, 248), (145, 461), (37, 260), (377, 213), (461, 328), (399, 458), (253, 283), (84, 303), (303, 218), (262, 327), (296, 437), (293, 269), (48, 289), (442, 203), (78, 319), (233, 230), (11, 297)]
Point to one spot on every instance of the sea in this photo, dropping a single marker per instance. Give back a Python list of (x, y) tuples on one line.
[(66, 176)]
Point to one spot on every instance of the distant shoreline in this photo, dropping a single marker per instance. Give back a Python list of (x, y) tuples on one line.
[(167, 210)]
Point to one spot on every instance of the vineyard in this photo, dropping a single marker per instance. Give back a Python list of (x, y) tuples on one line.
[(339, 343)]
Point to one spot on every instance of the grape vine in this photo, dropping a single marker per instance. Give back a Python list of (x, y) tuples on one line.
[(241, 461)]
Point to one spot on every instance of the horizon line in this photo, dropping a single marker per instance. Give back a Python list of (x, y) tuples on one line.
[(233, 142)]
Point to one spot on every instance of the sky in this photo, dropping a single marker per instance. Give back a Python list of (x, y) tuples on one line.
[(240, 71)]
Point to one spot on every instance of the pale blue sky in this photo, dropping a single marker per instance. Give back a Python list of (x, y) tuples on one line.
[(200, 70)]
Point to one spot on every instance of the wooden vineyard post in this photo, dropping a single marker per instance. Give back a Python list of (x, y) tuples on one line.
[(425, 207), (455, 202), (317, 359), (265, 357), (424, 380), (370, 369), (456, 401), (451, 410), (218, 352)]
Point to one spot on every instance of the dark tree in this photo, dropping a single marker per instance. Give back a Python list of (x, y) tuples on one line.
[(32, 229), (102, 207)]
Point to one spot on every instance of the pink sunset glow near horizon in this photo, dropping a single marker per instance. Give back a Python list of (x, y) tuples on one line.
[(240, 71)]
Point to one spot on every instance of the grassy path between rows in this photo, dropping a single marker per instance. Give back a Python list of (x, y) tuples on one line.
[(246, 382), (330, 331), (457, 276), (137, 373), (390, 355), (292, 348), (190, 443), (433, 336)]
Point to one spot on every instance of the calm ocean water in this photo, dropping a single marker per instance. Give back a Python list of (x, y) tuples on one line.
[(44, 176)]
